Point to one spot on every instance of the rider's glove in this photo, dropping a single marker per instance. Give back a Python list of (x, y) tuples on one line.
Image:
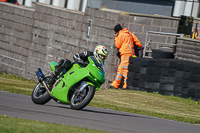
[(77, 58)]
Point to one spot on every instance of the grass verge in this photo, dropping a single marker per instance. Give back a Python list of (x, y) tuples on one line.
[(150, 104), (156, 105), (15, 125)]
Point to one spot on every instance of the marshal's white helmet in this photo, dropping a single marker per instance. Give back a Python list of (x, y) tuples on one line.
[(101, 53)]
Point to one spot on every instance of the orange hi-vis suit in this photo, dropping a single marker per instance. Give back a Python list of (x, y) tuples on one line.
[(125, 43)]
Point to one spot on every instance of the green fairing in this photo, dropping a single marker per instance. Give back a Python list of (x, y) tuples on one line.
[(93, 74)]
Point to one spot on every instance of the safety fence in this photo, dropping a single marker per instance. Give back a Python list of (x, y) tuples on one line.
[(165, 76), (152, 44)]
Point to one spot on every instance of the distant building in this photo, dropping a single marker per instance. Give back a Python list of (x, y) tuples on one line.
[(171, 8), (78, 5), (174, 8)]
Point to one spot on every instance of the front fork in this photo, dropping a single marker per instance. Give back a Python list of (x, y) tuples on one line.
[(83, 85)]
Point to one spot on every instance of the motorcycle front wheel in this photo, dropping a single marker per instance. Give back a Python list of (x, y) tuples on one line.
[(81, 99), (40, 95)]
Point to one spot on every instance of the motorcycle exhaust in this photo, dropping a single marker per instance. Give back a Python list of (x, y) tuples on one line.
[(47, 89), (41, 77), (39, 74)]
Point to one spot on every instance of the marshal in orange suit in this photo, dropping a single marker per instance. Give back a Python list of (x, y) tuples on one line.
[(124, 41)]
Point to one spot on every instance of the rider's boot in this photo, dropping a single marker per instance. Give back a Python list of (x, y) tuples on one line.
[(51, 79), (62, 64)]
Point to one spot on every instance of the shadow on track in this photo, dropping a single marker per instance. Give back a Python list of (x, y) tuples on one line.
[(118, 113)]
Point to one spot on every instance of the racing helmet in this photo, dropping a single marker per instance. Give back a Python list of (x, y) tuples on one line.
[(101, 53)]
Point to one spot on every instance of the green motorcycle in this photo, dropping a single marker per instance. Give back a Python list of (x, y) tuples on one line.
[(76, 87)]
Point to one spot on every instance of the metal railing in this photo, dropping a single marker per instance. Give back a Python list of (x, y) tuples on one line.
[(147, 48)]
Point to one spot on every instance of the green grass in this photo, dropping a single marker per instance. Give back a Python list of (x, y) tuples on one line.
[(150, 104), (15, 125), (16, 84), (167, 107)]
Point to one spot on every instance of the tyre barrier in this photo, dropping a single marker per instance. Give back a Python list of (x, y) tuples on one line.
[(162, 54), (165, 76)]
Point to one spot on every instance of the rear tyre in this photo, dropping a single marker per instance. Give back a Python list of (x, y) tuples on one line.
[(40, 95), (81, 99)]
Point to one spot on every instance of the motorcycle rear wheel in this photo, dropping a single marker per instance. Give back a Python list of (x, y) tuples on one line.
[(40, 95), (81, 99)]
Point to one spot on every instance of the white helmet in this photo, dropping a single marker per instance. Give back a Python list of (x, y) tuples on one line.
[(101, 53)]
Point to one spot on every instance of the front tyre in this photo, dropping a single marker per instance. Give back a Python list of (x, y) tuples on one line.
[(81, 99), (40, 95)]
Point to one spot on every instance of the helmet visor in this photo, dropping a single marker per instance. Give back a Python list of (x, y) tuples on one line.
[(102, 57)]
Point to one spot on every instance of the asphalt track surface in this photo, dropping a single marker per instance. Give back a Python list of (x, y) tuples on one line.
[(21, 106)]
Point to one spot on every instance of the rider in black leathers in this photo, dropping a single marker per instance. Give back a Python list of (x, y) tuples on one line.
[(100, 53), (67, 64)]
